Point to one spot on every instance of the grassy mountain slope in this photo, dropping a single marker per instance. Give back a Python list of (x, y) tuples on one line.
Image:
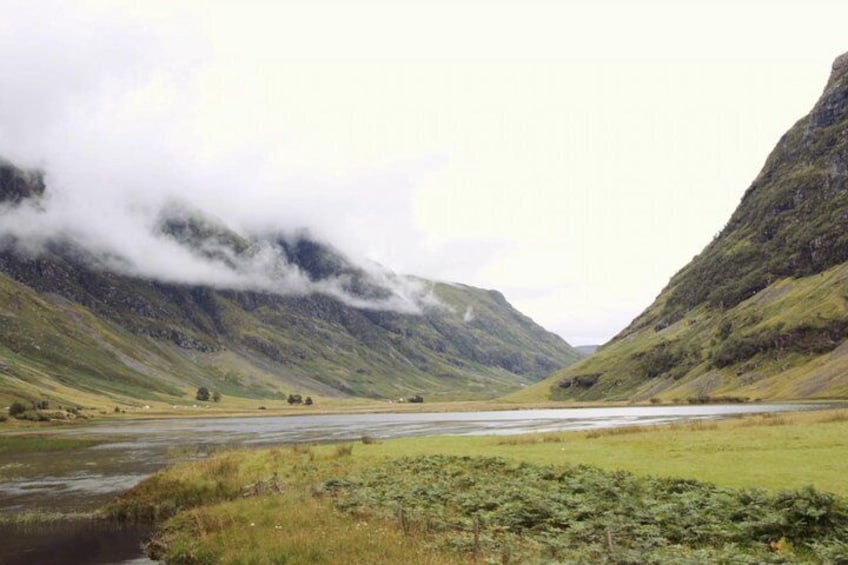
[(761, 311), (72, 329)]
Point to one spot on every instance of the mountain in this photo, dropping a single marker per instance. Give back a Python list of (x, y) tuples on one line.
[(761, 311), (287, 314), (586, 350)]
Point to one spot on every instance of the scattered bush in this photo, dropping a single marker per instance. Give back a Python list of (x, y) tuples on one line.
[(16, 409), (308, 401), (294, 399), (582, 381), (706, 399), (33, 416), (417, 399), (202, 394), (216, 396), (39, 411)]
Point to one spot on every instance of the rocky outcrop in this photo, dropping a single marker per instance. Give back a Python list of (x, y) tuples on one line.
[(791, 222), (833, 105), (17, 184)]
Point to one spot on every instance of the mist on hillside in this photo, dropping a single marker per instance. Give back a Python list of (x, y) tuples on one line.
[(119, 128), (177, 242)]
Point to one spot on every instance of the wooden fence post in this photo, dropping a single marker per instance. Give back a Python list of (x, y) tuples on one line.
[(476, 539), (404, 524)]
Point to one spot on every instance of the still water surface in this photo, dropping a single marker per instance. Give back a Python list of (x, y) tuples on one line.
[(83, 480)]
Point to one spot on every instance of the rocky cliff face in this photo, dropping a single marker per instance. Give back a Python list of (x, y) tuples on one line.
[(761, 311), (833, 105), (792, 221), (18, 184)]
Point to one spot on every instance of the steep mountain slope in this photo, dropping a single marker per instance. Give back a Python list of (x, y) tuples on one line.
[(73, 324), (761, 311)]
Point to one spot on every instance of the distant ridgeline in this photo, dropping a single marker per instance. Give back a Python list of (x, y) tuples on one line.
[(77, 327), (761, 311)]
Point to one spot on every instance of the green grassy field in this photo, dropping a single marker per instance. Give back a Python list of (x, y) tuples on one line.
[(752, 490)]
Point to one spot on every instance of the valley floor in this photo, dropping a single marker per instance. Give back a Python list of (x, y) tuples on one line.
[(754, 489)]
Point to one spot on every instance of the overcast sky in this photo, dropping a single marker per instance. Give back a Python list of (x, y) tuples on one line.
[(573, 155)]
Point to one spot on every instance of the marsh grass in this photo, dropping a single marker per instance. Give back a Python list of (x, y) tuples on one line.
[(303, 449), (289, 530), (189, 451), (29, 443), (531, 439), (185, 486), (560, 437), (340, 507), (765, 420), (40, 517), (204, 516), (833, 417), (344, 450)]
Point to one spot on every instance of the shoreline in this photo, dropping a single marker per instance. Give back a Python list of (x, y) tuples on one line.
[(15, 427)]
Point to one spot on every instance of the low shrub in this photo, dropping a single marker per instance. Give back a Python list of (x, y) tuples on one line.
[(33, 416), (16, 409), (584, 514), (294, 399)]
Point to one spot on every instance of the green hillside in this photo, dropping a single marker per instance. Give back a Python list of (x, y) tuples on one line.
[(72, 328), (761, 311)]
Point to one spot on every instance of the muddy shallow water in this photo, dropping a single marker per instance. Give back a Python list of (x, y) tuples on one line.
[(72, 543), (84, 479)]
